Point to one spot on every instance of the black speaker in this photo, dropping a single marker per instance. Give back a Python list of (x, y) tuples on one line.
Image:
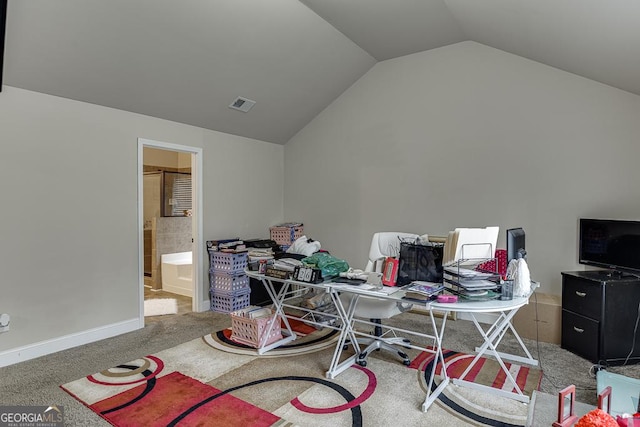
[(3, 26)]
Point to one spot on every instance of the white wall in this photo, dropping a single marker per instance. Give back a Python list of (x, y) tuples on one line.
[(464, 136), (69, 237)]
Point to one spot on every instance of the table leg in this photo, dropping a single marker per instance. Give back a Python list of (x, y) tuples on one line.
[(529, 360), (497, 332), (438, 358), (346, 317), (278, 300)]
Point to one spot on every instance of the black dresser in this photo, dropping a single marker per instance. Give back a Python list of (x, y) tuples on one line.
[(599, 314)]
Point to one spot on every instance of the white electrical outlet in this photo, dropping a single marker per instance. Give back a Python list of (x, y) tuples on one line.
[(5, 320)]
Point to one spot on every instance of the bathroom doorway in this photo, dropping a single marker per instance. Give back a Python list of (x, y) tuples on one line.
[(170, 227)]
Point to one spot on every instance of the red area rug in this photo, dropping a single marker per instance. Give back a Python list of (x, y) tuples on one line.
[(485, 372), (177, 399), (177, 386), (487, 408), (198, 383)]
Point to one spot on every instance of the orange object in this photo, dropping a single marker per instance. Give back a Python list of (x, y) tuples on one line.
[(597, 418)]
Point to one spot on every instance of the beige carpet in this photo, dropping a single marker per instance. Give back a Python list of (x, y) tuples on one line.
[(38, 381), (293, 388)]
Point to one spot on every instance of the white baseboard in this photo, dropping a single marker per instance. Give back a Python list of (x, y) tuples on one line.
[(42, 348)]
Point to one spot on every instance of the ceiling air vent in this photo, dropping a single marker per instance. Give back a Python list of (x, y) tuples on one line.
[(242, 104)]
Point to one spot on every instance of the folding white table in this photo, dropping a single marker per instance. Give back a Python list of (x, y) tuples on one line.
[(290, 289), (389, 333), (346, 324), (492, 337)]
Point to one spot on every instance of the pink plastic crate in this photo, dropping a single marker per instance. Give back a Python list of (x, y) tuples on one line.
[(286, 234), (249, 331)]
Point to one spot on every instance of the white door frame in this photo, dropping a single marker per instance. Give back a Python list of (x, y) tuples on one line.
[(197, 302)]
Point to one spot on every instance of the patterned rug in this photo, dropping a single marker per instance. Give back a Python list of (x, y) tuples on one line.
[(308, 340), (480, 409), (213, 381)]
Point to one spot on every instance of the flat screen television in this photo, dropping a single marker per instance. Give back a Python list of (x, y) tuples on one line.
[(609, 243)]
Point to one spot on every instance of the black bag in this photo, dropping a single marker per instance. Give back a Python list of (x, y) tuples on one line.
[(419, 262)]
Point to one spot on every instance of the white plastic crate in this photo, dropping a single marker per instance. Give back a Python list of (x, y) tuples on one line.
[(227, 262), (226, 303), (228, 283), (249, 331)]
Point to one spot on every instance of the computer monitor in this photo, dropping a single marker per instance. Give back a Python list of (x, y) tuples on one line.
[(515, 244)]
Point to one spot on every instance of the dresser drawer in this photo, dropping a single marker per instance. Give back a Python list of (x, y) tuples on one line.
[(580, 335), (583, 297)]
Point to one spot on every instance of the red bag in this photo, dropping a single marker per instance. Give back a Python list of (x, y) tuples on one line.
[(490, 266)]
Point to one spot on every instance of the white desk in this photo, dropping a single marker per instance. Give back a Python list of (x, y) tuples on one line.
[(492, 337), (290, 289), (347, 327), (280, 299), (435, 338)]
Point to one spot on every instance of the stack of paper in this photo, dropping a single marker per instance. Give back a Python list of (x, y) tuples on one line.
[(467, 273), (254, 312), (464, 249), (259, 254), (423, 291), (287, 264), (470, 244)]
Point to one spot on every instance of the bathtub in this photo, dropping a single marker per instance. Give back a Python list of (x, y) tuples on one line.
[(177, 273)]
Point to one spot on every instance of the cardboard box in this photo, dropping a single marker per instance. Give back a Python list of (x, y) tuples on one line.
[(541, 319)]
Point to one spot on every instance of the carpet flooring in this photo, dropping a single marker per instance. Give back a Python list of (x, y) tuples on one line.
[(209, 382), (37, 381)]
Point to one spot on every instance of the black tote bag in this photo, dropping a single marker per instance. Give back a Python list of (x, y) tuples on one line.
[(419, 262)]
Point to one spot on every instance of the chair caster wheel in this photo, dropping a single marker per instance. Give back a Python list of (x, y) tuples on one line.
[(406, 362), (362, 363), (403, 355), (345, 347)]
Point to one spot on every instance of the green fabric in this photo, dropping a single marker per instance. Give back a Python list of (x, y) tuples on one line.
[(328, 264)]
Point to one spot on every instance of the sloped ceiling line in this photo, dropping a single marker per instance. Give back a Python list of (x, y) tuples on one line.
[(187, 61)]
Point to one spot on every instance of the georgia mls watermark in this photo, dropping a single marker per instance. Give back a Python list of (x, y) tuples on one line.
[(31, 416)]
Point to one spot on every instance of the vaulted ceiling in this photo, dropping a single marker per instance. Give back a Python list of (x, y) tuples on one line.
[(187, 60)]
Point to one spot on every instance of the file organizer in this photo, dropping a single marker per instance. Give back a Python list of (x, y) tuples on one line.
[(470, 244), (464, 279)]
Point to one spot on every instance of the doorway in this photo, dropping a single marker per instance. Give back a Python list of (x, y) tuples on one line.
[(170, 226)]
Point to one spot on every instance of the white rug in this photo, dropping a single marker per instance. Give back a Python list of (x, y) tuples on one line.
[(160, 306)]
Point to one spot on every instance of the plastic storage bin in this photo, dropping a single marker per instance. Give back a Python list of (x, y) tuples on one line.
[(226, 283), (286, 234), (227, 262), (226, 303), (250, 331)]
